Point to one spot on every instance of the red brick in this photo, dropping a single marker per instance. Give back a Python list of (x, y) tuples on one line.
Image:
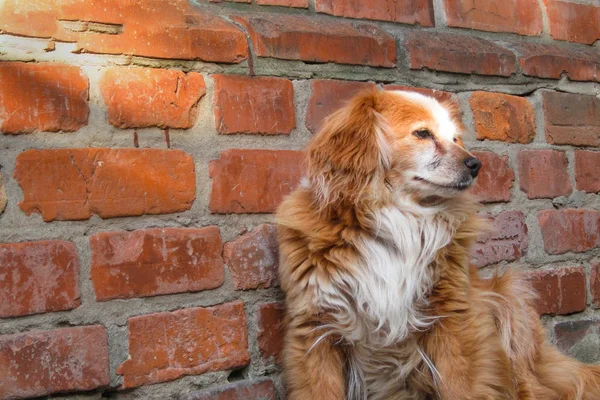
[(44, 362), (142, 97), (587, 171), (168, 345), (459, 54), (560, 291), (313, 39), (543, 174), (73, 184), (573, 22), (47, 97), (178, 30), (405, 11), (327, 96), (518, 16), (569, 230), (254, 105), (253, 181), (271, 330), (284, 3), (552, 61), (38, 277), (495, 178), (502, 117), (151, 262), (595, 284), (259, 389), (507, 240), (572, 119), (439, 95), (253, 259)]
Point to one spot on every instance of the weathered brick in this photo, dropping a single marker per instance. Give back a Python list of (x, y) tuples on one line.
[(313, 39), (560, 291), (38, 277), (73, 184), (284, 3), (573, 22), (253, 105), (44, 362), (572, 119), (142, 97), (518, 16), (151, 262), (495, 178), (507, 240), (326, 96), (579, 339), (587, 171), (253, 181), (569, 230), (258, 389), (595, 284), (405, 11), (253, 259), (271, 330), (168, 345), (459, 54), (551, 61), (543, 174), (47, 97), (179, 30), (502, 117)]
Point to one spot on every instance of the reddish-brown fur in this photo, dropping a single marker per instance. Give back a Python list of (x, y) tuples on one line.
[(487, 342)]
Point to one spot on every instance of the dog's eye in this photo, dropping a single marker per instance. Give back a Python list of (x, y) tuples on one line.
[(455, 140), (423, 134)]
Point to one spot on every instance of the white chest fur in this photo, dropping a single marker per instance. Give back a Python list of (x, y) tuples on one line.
[(395, 277)]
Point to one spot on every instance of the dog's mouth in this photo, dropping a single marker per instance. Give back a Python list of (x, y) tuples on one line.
[(460, 186)]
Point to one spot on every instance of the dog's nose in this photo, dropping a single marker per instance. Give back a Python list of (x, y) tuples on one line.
[(474, 165)]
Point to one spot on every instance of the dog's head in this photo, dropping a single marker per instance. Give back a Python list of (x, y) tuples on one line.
[(386, 143)]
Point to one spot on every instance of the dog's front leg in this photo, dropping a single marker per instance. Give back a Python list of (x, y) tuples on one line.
[(314, 368)]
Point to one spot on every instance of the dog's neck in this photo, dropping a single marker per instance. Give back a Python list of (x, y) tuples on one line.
[(399, 268)]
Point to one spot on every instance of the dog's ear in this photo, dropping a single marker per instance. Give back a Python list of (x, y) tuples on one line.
[(350, 154)]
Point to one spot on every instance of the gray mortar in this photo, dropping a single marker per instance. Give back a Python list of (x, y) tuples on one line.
[(204, 143)]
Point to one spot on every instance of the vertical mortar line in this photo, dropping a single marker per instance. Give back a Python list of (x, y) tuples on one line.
[(570, 153), (545, 22), (251, 55), (84, 255), (537, 102), (118, 351), (439, 14), (256, 367), (312, 6), (467, 117), (587, 268), (301, 101)]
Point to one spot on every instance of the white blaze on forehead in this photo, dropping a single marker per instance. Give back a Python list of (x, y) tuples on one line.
[(446, 127)]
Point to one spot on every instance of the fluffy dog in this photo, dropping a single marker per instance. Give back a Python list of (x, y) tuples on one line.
[(381, 301)]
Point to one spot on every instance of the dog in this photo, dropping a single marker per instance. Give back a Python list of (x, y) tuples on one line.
[(381, 301)]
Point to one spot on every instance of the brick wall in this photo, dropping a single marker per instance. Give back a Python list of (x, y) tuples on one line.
[(147, 142)]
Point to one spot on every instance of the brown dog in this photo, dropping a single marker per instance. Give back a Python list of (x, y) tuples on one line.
[(381, 301)]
